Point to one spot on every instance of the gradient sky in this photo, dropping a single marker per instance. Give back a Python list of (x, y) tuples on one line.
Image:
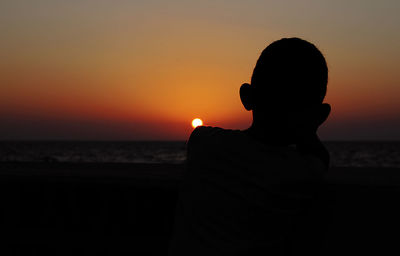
[(144, 69)]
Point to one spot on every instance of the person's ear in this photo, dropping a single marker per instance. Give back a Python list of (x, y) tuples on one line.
[(324, 111), (246, 96)]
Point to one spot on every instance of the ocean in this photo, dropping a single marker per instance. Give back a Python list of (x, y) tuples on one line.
[(343, 153)]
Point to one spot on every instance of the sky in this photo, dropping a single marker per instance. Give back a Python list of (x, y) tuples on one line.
[(142, 70)]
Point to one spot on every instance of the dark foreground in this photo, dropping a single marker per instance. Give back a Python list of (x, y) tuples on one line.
[(128, 209)]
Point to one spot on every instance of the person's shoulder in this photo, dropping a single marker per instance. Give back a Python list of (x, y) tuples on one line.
[(210, 137), (204, 133)]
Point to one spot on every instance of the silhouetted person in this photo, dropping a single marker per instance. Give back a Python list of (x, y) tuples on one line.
[(245, 192)]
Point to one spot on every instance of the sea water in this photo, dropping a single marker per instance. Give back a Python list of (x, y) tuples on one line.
[(347, 153)]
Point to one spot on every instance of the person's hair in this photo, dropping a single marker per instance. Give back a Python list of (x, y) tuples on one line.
[(291, 69)]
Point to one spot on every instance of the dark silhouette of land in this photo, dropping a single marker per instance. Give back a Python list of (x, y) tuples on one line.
[(128, 209)]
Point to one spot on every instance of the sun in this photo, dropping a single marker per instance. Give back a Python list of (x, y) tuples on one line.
[(197, 122)]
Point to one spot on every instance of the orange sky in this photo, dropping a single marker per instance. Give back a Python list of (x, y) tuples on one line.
[(145, 69)]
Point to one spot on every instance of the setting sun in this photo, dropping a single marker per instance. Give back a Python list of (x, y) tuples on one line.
[(197, 122)]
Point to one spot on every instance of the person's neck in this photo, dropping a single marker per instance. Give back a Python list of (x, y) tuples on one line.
[(268, 135)]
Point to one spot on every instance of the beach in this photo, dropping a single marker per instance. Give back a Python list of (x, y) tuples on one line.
[(127, 208)]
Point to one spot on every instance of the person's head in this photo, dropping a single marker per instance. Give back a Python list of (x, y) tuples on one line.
[(290, 76)]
